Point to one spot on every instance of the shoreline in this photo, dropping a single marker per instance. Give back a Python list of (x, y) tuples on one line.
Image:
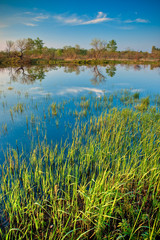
[(39, 61)]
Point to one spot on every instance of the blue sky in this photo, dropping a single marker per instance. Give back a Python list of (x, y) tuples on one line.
[(133, 24)]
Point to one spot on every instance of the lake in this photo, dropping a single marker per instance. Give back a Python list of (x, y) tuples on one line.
[(45, 103)]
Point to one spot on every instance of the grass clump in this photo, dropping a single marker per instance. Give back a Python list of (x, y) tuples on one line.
[(85, 104), (104, 185), (10, 88), (136, 95), (54, 109), (19, 108), (4, 128), (143, 106)]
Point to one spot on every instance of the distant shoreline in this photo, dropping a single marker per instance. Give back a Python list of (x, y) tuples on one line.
[(41, 61)]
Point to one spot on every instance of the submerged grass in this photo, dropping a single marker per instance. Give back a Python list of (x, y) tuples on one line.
[(104, 185)]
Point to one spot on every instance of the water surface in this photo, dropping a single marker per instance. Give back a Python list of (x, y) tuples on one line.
[(36, 89)]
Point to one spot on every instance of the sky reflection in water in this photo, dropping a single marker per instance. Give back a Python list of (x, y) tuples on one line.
[(37, 87)]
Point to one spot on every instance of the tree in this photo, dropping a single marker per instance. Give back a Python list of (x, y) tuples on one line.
[(38, 43), (10, 45), (98, 46), (30, 44), (112, 46), (155, 50), (69, 52), (77, 49), (22, 46), (59, 52)]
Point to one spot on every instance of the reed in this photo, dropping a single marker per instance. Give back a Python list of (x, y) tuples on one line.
[(105, 184), (19, 108)]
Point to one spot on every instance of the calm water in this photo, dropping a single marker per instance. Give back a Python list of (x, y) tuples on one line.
[(36, 88)]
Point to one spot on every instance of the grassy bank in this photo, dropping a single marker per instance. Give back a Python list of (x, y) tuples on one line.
[(14, 62), (104, 185)]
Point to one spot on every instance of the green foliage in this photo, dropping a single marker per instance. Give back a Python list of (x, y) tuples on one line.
[(85, 104), (105, 184), (38, 43), (59, 52), (136, 95), (143, 106), (154, 49), (112, 46), (30, 44), (32, 51)]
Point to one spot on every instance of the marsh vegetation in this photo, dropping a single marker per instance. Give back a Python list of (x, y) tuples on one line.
[(32, 51), (79, 167)]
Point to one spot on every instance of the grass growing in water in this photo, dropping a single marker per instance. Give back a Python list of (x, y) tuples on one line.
[(143, 106), (54, 109), (105, 185), (19, 108)]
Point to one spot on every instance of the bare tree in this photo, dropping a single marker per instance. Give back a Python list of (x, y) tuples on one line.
[(10, 45), (98, 46), (22, 46)]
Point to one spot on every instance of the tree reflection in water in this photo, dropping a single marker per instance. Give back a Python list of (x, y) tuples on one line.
[(111, 70), (99, 77), (73, 68), (27, 75)]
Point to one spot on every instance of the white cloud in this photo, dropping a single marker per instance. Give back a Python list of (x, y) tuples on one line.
[(98, 20), (28, 13), (101, 14), (77, 90), (30, 24), (129, 21), (74, 20), (126, 28), (68, 20), (26, 18), (137, 20), (140, 20), (40, 18), (30, 20)]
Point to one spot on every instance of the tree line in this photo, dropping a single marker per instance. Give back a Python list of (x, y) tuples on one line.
[(28, 50)]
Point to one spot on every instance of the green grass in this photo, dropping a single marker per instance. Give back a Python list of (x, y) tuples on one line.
[(104, 185), (53, 109)]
